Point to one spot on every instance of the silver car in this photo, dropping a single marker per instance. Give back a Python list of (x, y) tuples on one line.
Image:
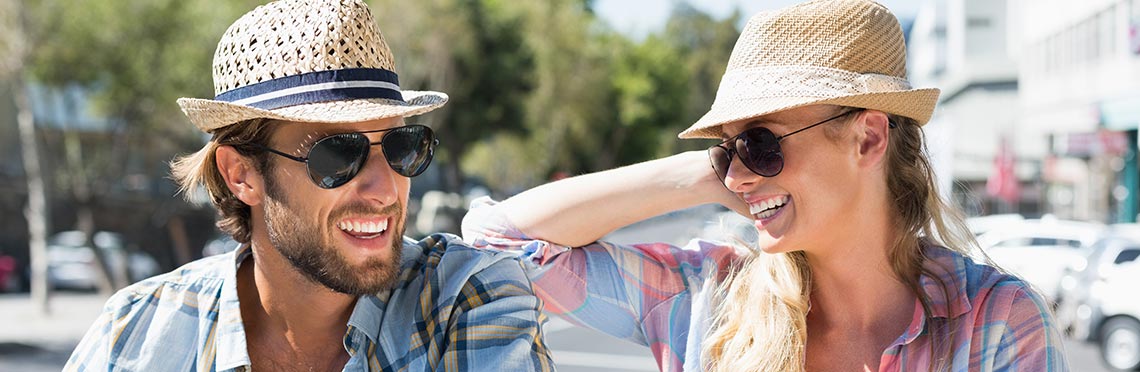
[(72, 265)]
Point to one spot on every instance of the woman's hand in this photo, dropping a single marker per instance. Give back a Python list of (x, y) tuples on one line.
[(710, 184)]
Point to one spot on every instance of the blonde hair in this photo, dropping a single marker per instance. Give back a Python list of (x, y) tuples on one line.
[(760, 310), (200, 170)]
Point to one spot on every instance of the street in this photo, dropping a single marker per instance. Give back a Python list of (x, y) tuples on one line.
[(34, 343)]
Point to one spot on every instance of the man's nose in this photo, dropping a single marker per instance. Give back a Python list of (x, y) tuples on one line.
[(377, 180)]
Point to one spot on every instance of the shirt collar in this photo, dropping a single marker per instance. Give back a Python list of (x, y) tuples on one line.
[(231, 348), (945, 268), (232, 352), (369, 312), (367, 315)]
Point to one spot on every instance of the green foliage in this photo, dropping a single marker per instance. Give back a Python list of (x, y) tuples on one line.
[(651, 86), (12, 42), (704, 44), (601, 100), (537, 87), (138, 55)]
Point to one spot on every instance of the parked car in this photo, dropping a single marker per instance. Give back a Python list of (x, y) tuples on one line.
[(982, 224), (1078, 312), (1119, 333), (1038, 250), (72, 265)]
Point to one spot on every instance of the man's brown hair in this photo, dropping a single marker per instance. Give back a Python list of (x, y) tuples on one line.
[(200, 169)]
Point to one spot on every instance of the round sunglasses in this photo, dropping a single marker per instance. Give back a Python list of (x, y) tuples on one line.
[(759, 149), (334, 160)]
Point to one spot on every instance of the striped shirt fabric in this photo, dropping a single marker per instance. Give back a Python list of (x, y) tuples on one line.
[(658, 295), (453, 308)]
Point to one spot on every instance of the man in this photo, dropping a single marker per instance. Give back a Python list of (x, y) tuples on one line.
[(309, 167)]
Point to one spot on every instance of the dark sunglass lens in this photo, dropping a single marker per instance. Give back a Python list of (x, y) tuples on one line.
[(408, 149), (334, 160), (770, 164), (760, 152), (721, 159)]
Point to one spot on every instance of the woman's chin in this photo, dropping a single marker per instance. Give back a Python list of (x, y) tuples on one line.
[(772, 245)]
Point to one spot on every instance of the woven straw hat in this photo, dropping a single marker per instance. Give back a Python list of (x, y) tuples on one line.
[(838, 52), (319, 61)]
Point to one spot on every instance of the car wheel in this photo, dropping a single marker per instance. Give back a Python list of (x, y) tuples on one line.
[(1120, 344)]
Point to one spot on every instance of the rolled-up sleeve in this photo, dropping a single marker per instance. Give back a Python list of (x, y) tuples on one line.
[(635, 292)]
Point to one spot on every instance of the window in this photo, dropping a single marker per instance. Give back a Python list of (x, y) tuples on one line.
[(1127, 255)]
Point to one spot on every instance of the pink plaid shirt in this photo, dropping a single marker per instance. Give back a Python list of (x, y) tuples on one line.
[(658, 295)]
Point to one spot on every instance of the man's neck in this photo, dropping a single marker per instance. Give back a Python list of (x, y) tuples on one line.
[(288, 316)]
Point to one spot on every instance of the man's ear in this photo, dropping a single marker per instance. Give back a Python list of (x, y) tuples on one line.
[(242, 178), (874, 135)]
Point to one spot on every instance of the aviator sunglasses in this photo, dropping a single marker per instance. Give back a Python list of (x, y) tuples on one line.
[(334, 160), (759, 149)]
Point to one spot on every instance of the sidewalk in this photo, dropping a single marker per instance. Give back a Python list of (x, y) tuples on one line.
[(33, 342)]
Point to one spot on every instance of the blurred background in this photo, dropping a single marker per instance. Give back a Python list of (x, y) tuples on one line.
[(1035, 138)]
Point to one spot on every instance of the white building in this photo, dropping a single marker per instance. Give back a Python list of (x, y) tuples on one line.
[(964, 48), (1080, 82)]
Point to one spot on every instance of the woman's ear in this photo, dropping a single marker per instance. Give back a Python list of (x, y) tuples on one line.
[(242, 178), (873, 137)]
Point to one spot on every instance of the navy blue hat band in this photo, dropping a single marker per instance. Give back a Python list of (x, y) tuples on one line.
[(319, 86)]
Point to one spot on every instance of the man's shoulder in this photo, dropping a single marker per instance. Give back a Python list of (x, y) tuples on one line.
[(204, 276), (446, 257)]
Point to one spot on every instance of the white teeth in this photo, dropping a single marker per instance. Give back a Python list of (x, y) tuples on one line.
[(768, 207), (366, 227)]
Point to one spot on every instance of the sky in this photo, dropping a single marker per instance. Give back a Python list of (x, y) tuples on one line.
[(640, 17)]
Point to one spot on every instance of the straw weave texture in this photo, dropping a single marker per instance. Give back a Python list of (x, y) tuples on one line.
[(293, 37), (841, 52), (310, 37)]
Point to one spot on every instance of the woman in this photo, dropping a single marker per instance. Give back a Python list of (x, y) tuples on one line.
[(861, 266)]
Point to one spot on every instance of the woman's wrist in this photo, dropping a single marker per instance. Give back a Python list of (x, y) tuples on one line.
[(694, 177)]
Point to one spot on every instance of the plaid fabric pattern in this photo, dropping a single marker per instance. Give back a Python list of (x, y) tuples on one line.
[(454, 308), (658, 295)]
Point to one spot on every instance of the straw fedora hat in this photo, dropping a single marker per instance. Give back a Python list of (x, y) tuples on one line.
[(838, 52), (320, 61)]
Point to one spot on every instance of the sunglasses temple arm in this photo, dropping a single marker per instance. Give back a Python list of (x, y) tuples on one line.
[(287, 156)]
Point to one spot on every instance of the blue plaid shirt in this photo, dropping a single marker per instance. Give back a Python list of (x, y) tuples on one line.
[(453, 309)]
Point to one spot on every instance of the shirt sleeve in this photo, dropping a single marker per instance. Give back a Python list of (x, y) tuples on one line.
[(1029, 339), (496, 324), (94, 351), (635, 292)]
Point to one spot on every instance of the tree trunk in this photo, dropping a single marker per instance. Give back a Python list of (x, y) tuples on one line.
[(180, 240), (36, 212), (80, 184)]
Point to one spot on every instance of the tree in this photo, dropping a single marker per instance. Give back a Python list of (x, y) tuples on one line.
[(601, 100), (652, 86), (137, 56), (473, 51), (571, 97), (705, 45), (13, 54)]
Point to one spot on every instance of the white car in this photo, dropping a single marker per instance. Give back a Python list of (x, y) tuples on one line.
[(1078, 312), (982, 224), (1039, 250), (72, 265), (1119, 340)]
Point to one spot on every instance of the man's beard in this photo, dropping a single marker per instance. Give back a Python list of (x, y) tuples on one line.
[(299, 241)]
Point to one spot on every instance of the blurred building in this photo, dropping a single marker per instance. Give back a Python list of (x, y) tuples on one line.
[(987, 157), (1080, 83)]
